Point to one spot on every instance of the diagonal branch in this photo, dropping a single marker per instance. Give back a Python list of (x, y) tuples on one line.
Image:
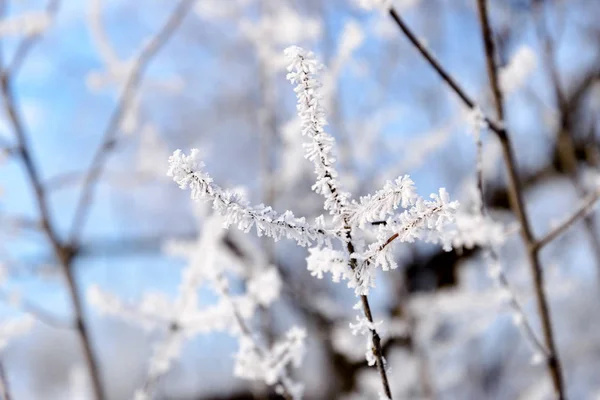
[(127, 96), (582, 212)]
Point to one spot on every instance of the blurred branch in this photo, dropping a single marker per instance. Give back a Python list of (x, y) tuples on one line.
[(134, 79), (582, 212), (4, 387), (565, 145), (552, 360), (515, 190), (62, 252)]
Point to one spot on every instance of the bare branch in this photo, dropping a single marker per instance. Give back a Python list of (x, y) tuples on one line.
[(583, 211), (515, 191)]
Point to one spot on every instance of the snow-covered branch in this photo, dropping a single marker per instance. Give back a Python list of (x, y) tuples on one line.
[(187, 172), (302, 69)]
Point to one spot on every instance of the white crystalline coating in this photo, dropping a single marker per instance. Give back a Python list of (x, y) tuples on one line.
[(265, 286), (303, 68), (363, 327), (384, 202)]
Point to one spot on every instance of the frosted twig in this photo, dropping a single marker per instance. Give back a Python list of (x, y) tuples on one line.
[(303, 67), (187, 171)]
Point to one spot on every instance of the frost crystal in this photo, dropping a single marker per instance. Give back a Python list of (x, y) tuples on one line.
[(384, 202), (366, 328), (321, 261), (427, 220), (252, 362)]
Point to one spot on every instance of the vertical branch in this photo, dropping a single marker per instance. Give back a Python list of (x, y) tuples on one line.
[(515, 190), (303, 66), (375, 338), (552, 361)]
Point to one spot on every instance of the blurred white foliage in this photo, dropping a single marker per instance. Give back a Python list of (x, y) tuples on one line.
[(183, 317), (151, 149), (14, 327), (254, 363), (473, 229), (117, 72), (79, 386), (381, 5), (26, 24), (215, 9), (518, 71)]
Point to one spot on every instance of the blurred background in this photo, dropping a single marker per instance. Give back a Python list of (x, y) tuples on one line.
[(105, 90)]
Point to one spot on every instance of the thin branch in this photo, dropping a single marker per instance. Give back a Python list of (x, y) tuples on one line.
[(4, 387), (584, 210), (496, 269), (445, 75), (552, 361), (515, 191), (126, 97)]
